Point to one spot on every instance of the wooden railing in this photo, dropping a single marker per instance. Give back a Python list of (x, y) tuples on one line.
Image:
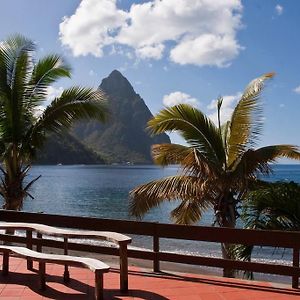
[(157, 230)]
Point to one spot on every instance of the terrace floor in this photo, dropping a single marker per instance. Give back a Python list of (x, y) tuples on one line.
[(22, 284)]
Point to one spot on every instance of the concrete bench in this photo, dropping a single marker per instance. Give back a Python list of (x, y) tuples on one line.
[(117, 238), (94, 265)]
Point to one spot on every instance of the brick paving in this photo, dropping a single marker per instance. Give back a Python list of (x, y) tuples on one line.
[(23, 284)]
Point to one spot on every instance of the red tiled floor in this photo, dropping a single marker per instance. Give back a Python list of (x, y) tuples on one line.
[(143, 285)]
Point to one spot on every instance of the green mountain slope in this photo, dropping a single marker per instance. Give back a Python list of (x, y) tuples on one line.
[(66, 149), (123, 138)]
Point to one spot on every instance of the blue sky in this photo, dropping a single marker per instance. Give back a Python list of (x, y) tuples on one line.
[(175, 50)]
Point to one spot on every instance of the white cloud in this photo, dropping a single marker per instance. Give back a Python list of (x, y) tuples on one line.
[(279, 9), (91, 27), (53, 92), (179, 97), (155, 51), (200, 32), (297, 89), (208, 49), (38, 110), (281, 105), (227, 108)]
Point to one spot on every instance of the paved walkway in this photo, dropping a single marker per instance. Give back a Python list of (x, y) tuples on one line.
[(22, 284)]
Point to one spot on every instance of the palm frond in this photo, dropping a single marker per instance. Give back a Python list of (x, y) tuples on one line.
[(275, 206), (167, 154), (45, 72), (190, 159), (247, 119), (189, 211), (258, 160), (10, 51), (244, 253), (198, 130), (15, 65), (74, 104), (225, 130), (152, 194)]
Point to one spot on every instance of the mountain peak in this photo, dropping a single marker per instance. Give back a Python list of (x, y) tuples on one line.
[(116, 74), (116, 83), (124, 138)]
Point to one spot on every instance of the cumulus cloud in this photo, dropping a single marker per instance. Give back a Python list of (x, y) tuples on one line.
[(297, 89), (279, 9), (53, 92), (91, 27), (228, 105), (179, 97), (208, 49), (199, 32), (154, 52)]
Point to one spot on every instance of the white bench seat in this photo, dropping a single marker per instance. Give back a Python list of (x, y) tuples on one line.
[(95, 265), (66, 233)]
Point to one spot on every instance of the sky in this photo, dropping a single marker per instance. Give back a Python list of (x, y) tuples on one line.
[(175, 51)]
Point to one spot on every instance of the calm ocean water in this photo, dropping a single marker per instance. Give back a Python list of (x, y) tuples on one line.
[(102, 191)]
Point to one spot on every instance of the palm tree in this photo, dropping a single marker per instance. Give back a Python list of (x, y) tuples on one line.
[(218, 164), (23, 91), (273, 207)]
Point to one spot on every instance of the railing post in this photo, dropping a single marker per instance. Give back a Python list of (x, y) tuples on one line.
[(99, 286), (156, 266), (5, 263), (295, 281), (29, 246)]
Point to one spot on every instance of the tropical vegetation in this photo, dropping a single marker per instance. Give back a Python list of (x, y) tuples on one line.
[(219, 163), (273, 207), (25, 119)]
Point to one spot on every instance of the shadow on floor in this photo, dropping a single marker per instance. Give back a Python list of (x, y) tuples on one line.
[(243, 284), (82, 291)]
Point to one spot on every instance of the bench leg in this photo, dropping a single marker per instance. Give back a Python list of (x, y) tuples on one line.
[(66, 272), (29, 246), (5, 264), (98, 285), (42, 275), (123, 268)]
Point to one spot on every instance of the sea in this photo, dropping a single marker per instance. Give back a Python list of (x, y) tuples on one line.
[(102, 191)]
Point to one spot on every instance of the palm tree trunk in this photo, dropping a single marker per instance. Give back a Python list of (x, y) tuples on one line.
[(12, 189), (14, 195), (227, 254), (226, 217)]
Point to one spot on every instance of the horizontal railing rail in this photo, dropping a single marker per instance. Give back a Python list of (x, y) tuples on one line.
[(158, 230)]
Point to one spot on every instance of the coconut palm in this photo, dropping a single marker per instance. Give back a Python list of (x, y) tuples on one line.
[(274, 207), (218, 164), (24, 82)]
